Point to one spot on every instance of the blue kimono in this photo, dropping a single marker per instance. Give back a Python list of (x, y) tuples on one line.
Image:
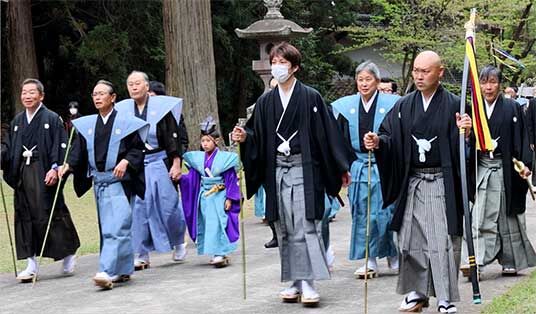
[(112, 200), (158, 219), (260, 203), (381, 243), (214, 229), (332, 208)]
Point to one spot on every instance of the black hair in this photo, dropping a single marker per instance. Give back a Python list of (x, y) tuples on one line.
[(157, 88), (390, 80)]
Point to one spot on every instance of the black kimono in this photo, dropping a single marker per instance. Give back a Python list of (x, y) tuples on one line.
[(325, 156), (396, 155), (33, 199), (507, 124)]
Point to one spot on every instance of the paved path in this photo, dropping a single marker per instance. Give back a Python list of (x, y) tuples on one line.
[(196, 287)]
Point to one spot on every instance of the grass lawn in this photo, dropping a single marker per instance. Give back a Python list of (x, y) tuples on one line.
[(521, 298), (84, 214)]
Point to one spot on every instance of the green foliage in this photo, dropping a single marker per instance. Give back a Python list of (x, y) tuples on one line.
[(237, 85), (404, 28), (103, 51), (521, 298), (80, 42)]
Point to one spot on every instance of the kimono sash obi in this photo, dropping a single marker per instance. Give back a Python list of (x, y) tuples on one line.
[(149, 158), (212, 185)]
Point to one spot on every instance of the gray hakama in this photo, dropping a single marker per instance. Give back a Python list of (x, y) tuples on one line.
[(429, 256), (496, 234), (300, 240)]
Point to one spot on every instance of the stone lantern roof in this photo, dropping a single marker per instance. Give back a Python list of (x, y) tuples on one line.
[(273, 26)]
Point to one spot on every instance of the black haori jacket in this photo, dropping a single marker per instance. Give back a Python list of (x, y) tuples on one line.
[(394, 156), (325, 156), (507, 122)]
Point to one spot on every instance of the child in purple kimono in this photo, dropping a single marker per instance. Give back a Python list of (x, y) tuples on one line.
[(210, 196)]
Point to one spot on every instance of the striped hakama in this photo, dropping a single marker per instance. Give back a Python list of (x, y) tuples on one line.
[(300, 240), (429, 256), (496, 234)]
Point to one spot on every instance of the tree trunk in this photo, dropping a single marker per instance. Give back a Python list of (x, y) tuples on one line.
[(190, 68), (21, 47)]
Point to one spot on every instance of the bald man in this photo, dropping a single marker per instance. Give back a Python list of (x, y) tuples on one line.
[(417, 153)]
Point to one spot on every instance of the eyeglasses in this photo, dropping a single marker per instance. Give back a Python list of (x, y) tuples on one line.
[(95, 94)]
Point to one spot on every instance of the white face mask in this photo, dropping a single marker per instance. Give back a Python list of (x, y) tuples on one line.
[(73, 111), (507, 96), (280, 73)]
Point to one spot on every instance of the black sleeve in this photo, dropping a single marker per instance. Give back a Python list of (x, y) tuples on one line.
[(335, 153), (168, 134), (529, 120), (522, 139), (78, 162), (132, 150), (252, 151), (78, 155), (5, 138), (59, 142), (390, 156)]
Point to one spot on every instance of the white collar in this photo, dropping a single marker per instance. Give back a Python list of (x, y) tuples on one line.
[(426, 103), (285, 98), (368, 104), (490, 108), (29, 116), (106, 117)]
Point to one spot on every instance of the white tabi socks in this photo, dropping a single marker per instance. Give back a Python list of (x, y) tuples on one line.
[(68, 264)]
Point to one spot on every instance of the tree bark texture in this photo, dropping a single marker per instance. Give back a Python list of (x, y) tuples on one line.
[(21, 47), (190, 68)]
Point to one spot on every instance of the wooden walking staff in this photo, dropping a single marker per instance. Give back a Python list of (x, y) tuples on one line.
[(242, 123), (367, 235), (470, 29), (53, 207), (519, 166), (8, 228)]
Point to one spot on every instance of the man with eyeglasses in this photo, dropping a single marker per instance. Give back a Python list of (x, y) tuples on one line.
[(108, 154), (417, 153), (32, 150), (388, 86), (158, 222)]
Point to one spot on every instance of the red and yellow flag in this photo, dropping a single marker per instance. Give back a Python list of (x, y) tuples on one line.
[(480, 122)]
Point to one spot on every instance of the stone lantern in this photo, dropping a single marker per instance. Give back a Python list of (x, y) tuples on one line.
[(270, 31)]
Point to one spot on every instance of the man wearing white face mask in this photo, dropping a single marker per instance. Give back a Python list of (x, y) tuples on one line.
[(292, 146)]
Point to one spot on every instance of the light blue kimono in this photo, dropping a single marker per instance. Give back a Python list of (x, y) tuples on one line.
[(214, 229), (332, 207), (260, 203), (113, 207), (381, 243), (158, 219)]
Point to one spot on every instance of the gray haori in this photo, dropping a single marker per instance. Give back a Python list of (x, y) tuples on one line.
[(429, 256), (300, 240)]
